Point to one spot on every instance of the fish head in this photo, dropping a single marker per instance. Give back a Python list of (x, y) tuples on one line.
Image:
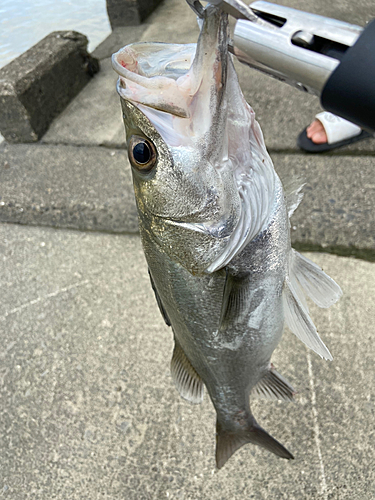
[(178, 123)]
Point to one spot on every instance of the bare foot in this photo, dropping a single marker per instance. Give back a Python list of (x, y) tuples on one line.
[(316, 132)]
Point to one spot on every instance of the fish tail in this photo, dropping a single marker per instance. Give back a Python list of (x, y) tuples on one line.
[(229, 441)]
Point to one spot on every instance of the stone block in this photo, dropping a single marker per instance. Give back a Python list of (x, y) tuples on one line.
[(129, 12), (40, 83)]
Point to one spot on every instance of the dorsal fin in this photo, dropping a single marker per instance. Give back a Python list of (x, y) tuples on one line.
[(187, 380), (317, 285), (293, 193), (300, 323)]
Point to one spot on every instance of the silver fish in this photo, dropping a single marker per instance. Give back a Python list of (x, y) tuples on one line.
[(214, 223)]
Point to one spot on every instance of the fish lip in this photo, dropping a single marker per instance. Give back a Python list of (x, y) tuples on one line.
[(169, 77), (122, 70), (116, 65), (180, 88), (121, 85)]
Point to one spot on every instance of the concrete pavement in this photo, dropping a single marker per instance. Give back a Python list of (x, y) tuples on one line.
[(88, 408)]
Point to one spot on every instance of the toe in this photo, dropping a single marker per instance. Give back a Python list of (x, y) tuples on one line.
[(316, 132), (315, 126), (319, 137)]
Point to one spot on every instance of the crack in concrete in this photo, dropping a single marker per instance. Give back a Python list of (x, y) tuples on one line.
[(105, 145), (323, 483), (43, 298)]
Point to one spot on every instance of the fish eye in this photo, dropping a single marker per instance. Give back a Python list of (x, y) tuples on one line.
[(142, 153)]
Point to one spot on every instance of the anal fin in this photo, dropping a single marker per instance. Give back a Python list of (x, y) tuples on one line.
[(273, 386), (187, 380)]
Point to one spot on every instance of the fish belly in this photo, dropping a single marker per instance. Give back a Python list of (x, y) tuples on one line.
[(229, 322), (226, 326)]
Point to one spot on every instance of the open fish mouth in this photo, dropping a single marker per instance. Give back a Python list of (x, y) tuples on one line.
[(154, 74), (154, 59), (185, 81)]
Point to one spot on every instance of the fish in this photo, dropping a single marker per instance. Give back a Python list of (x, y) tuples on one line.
[(214, 223)]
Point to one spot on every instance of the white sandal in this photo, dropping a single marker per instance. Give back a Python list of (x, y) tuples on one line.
[(339, 132)]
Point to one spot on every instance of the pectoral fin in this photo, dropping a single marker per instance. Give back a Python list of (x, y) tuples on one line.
[(235, 297), (158, 300), (240, 302), (187, 380)]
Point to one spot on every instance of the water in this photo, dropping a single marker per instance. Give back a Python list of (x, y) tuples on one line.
[(24, 22)]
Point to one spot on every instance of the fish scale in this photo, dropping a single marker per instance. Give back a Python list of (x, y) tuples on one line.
[(214, 224)]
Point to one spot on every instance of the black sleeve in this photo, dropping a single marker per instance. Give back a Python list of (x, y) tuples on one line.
[(350, 90)]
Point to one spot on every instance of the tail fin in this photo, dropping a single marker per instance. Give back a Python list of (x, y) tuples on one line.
[(228, 442)]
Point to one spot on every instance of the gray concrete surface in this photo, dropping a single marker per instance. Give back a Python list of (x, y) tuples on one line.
[(36, 86), (118, 38), (90, 120), (129, 12), (337, 211), (65, 186), (90, 188), (89, 409)]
